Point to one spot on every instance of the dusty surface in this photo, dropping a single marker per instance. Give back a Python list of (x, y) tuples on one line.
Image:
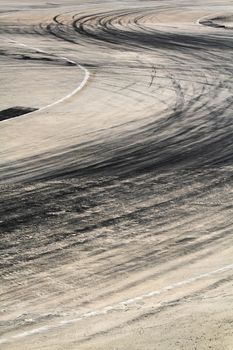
[(117, 193)]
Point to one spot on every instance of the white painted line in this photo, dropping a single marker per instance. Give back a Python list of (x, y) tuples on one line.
[(116, 307), (75, 91), (200, 19), (29, 47), (208, 17)]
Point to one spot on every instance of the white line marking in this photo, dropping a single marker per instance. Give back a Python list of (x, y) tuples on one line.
[(116, 307), (207, 17), (75, 91), (201, 19)]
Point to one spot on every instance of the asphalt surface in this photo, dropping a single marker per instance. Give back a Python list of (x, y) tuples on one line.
[(116, 175)]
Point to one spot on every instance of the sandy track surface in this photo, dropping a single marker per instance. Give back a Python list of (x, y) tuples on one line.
[(116, 186)]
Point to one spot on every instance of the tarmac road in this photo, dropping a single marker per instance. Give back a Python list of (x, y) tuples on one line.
[(116, 185)]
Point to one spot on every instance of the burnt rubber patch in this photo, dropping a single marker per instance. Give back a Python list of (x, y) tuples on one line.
[(13, 112)]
